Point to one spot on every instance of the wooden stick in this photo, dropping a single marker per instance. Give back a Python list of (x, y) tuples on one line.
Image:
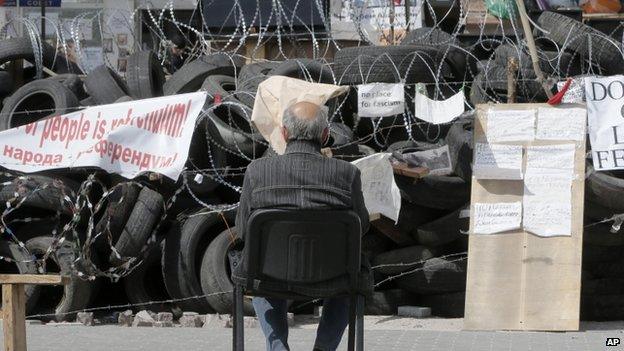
[(38, 279), (524, 18), (512, 68), (50, 72)]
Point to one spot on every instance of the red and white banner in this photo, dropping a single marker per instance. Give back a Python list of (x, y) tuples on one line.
[(129, 138)]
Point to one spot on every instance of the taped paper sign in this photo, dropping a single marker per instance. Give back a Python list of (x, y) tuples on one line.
[(437, 161), (510, 125), (605, 112), (381, 194), (490, 218), (547, 217), (381, 99), (560, 124), (497, 161), (560, 157), (276, 94), (546, 182), (151, 135), (437, 112), (547, 202)]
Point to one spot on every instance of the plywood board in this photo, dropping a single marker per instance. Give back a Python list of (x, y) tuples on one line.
[(518, 280)]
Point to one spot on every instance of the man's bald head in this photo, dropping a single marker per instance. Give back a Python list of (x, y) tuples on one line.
[(305, 121)]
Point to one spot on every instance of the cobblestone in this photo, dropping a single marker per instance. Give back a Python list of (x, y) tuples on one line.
[(108, 337)]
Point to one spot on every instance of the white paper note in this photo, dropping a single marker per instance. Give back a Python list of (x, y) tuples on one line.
[(510, 125), (490, 218), (548, 183), (560, 124), (381, 194), (438, 111), (551, 157), (545, 217), (497, 161), (381, 99), (547, 202)]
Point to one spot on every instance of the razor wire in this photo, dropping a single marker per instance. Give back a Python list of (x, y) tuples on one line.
[(289, 29)]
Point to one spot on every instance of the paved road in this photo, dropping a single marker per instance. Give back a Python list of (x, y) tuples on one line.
[(109, 338)]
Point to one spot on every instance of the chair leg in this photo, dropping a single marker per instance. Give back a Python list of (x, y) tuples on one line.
[(352, 319), (237, 314), (360, 324)]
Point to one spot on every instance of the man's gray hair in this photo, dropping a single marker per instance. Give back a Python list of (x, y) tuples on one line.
[(305, 128)]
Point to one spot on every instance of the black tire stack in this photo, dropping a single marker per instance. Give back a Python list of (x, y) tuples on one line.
[(602, 291)]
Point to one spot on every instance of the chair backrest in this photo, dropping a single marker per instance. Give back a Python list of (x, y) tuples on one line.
[(302, 246)]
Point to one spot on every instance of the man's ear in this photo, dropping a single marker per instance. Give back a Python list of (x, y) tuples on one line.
[(325, 135), (285, 133)]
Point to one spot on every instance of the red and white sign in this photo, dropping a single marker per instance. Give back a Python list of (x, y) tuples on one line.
[(129, 138)]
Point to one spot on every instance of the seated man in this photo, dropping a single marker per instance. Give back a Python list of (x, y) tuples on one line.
[(302, 178)]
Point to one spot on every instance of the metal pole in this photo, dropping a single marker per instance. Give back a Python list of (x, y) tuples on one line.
[(407, 16), (43, 13), (391, 23)]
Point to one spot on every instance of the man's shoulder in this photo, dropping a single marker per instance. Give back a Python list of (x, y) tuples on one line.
[(342, 166), (258, 163)]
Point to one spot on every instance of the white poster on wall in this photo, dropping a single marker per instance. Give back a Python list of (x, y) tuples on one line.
[(150, 135), (371, 18), (605, 117)]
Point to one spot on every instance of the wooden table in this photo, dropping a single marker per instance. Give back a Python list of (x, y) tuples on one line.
[(14, 305)]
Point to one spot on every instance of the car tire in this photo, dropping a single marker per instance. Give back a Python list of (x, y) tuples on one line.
[(216, 276), (145, 75), (37, 100), (105, 86)]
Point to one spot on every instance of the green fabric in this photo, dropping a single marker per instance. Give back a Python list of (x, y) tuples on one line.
[(504, 9)]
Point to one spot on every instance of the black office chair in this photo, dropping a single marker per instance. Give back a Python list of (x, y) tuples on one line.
[(296, 254)]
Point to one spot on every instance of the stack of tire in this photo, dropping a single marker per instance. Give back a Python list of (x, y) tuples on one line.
[(490, 84), (146, 219), (427, 267), (566, 48), (602, 293), (180, 232), (427, 56)]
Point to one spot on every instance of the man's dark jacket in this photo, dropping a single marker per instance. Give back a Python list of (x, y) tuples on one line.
[(302, 178)]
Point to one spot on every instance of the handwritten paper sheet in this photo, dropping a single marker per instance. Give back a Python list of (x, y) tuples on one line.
[(497, 161), (551, 157), (547, 202), (560, 124), (490, 218), (510, 125), (381, 194), (548, 183), (547, 217), (439, 111)]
